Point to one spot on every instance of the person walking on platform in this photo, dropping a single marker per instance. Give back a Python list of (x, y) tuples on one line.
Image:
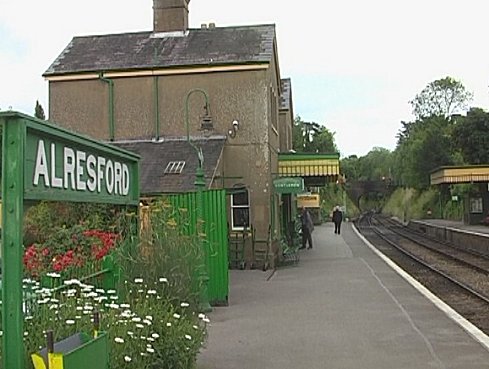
[(307, 228), (337, 219)]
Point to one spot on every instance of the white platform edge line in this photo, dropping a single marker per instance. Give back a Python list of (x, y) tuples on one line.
[(475, 332)]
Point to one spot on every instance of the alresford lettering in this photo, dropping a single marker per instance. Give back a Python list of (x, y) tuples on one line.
[(81, 171)]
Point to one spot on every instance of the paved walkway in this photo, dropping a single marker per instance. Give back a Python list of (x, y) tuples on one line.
[(341, 307), (458, 225)]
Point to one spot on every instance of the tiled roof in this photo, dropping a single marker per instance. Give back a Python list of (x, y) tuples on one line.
[(145, 50), (155, 156)]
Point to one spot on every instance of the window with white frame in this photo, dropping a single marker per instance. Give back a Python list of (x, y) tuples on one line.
[(240, 210)]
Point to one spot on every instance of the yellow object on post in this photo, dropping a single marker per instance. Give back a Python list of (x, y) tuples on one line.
[(308, 201)]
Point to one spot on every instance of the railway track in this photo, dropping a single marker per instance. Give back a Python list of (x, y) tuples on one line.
[(458, 277)]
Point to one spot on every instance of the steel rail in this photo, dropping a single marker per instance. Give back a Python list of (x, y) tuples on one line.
[(432, 268)]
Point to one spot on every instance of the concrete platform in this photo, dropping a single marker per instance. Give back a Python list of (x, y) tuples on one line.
[(343, 306), (482, 229)]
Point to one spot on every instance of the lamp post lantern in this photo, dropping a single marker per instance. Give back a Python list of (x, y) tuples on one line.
[(199, 183)]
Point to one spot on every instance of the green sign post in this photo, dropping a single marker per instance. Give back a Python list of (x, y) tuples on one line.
[(41, 161)]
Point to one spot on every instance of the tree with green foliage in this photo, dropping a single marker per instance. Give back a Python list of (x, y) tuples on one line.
[(443, 97), (312, 137), (39, 111), (426, 145), (349, 167), (471, 136), (376, 165)]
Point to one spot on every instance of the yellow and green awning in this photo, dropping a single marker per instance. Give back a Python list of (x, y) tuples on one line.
[(460, 174), (308, 165)]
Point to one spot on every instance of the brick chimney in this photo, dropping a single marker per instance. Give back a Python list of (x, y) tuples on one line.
[(170, 15)]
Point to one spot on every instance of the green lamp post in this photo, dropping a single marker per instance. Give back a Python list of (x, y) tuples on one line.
[(200, 185)]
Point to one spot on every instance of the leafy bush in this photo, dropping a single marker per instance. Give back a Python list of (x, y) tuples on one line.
[(152, 319), (408, 203), (146, 330), (67, 248)]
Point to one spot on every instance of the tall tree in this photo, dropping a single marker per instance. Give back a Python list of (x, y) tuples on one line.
[(443, 97), (471, 136), (427, 146), (349, 167), (39, 111), (312, 137), (376, 165)]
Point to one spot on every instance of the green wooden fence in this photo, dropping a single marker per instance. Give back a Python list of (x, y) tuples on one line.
[(216, 237)]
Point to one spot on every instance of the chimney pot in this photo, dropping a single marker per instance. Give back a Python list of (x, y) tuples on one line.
[(203, 26), (212, 25)]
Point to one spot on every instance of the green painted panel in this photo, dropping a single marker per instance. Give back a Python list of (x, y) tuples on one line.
[(41, 161), (216, 233), (289, 185), (12, 218), (60, 168), (306, 156), (93, 354), (216, 229)]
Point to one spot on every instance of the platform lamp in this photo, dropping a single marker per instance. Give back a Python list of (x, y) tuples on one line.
[(199, 183)]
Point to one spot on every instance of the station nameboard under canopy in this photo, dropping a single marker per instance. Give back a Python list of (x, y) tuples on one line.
[(289, 185)]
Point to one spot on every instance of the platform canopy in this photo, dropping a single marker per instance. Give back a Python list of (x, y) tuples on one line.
[(460, 174), (308, 165)]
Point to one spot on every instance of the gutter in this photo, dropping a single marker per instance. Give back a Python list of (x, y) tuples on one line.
[(111, 104), (156, 107)]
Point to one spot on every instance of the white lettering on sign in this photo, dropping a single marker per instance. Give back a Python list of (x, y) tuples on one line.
[(81, 171), (92, 174), (41, 165), (55, 181)]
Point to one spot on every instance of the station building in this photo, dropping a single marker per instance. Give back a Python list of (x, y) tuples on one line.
[(182, 97)]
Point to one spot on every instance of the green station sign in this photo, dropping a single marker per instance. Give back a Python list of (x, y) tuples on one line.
[(41, 161), (289, 185), (57, 168)]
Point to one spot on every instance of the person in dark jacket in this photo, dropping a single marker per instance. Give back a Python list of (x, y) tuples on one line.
[(337, 219), (307, 228)]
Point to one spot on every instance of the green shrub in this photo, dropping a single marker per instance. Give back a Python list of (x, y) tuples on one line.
[(152, 319)]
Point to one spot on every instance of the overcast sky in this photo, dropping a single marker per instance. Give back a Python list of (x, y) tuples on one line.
[(354, 64)]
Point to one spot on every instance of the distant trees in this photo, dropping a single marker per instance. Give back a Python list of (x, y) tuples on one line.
[(39, 111), (443, 97), (440, 135), (423, 146), (312, 137), (471, 136), (375, 166)]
